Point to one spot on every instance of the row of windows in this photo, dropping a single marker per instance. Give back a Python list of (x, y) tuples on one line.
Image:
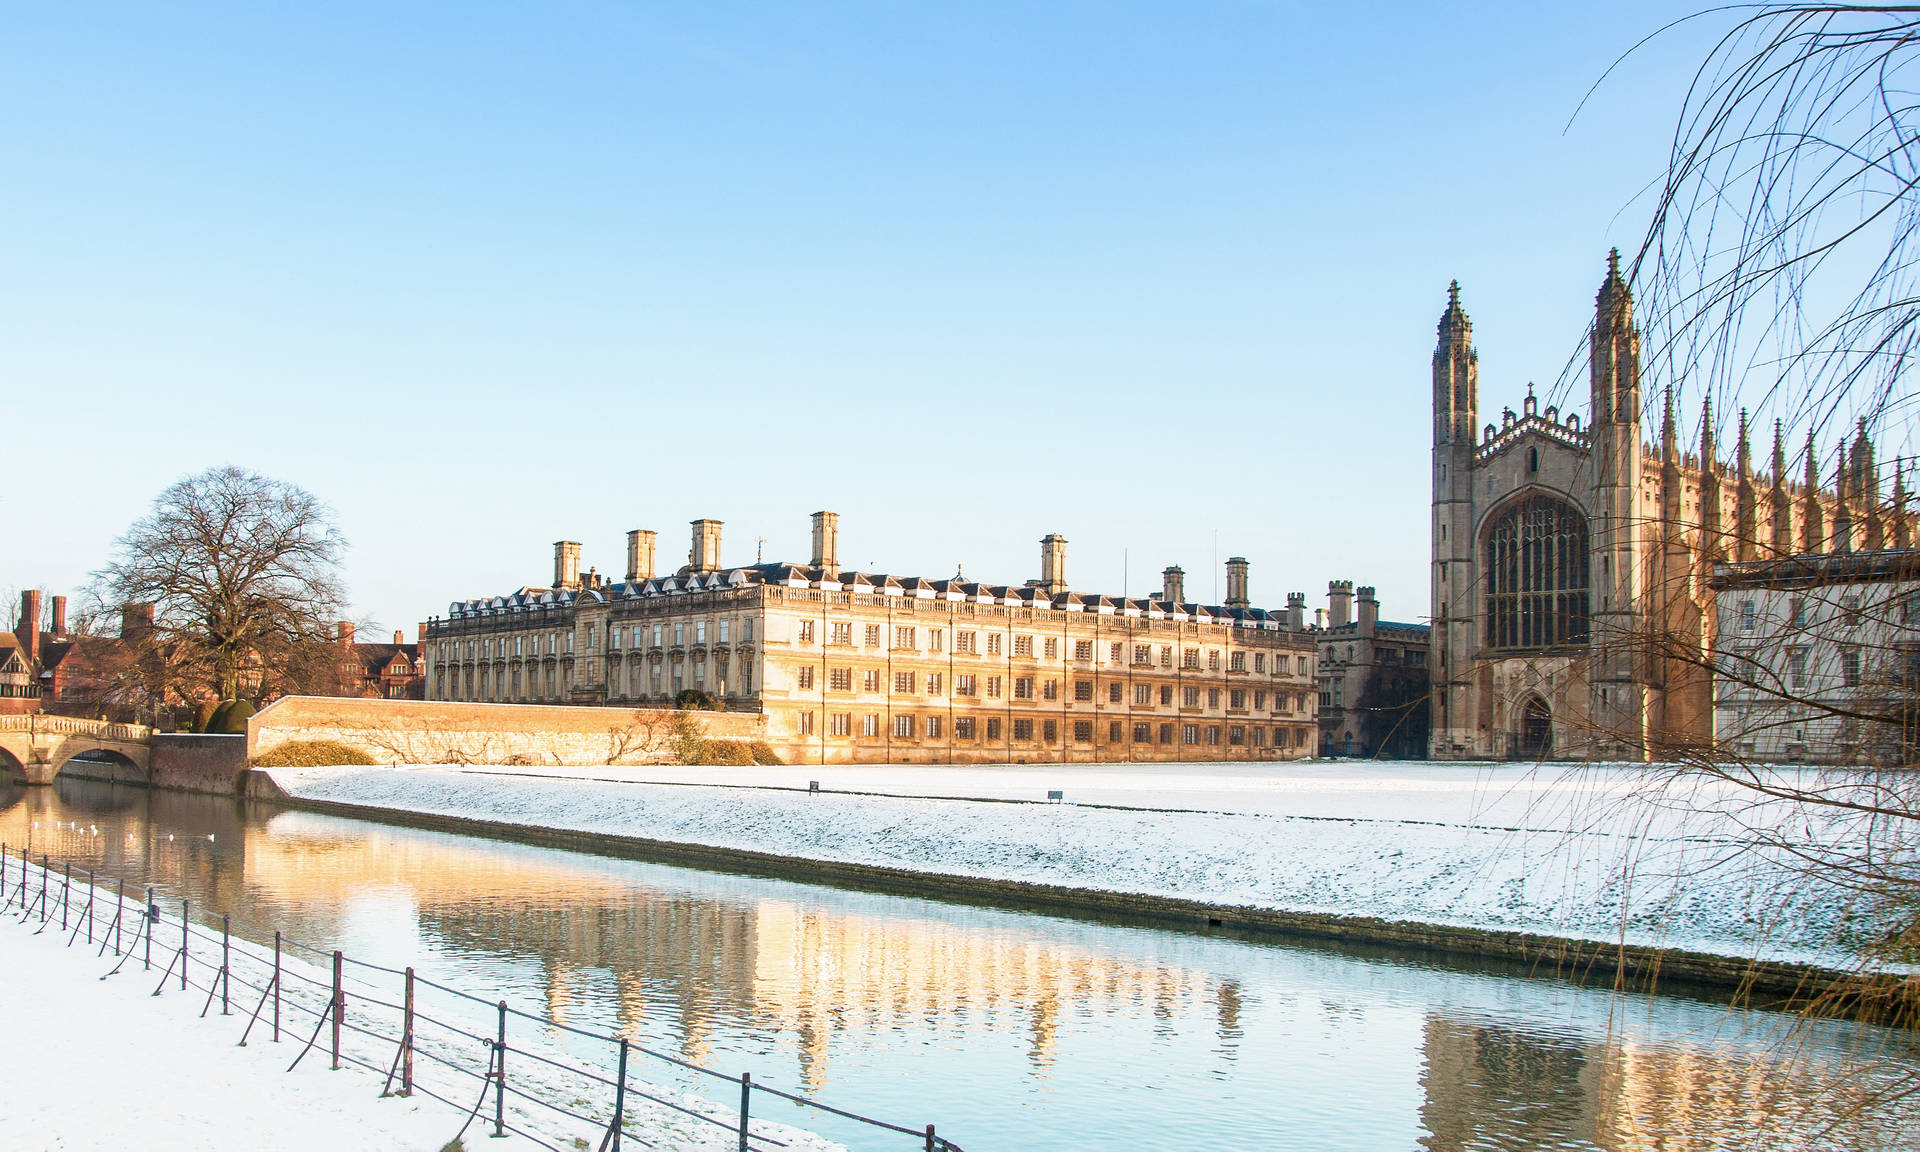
[(1904, 610), (618, 637), (906, 638), (911, 727), (551, 683), (970, 685)]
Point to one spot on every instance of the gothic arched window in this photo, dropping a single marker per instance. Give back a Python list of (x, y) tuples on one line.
[(1536, 575)]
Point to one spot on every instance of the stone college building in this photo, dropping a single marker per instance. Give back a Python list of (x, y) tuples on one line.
[(857, 667), (1573, 564)]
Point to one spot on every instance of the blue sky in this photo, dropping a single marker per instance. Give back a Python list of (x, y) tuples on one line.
[(484, 276)]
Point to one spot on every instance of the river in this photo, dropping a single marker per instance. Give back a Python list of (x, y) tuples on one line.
[(1012, 1030)]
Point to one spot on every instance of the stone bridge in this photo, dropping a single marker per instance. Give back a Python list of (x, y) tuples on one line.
[(34, 749)]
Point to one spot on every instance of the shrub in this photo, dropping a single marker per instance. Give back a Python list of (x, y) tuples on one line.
[(229, 718), (763, 753), (734, 753), (689, 742), (311, 754), (694, 700)]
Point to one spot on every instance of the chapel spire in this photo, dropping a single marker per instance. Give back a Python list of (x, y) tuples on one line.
[(1615, 352), (1456, 375)]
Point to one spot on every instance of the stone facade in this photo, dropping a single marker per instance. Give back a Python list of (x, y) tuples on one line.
[(1819, 659), (857, 667), (1561, 549), (1373, 679)]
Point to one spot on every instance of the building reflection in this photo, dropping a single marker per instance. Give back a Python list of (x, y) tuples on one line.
[(1494, 1086), (711, 965)]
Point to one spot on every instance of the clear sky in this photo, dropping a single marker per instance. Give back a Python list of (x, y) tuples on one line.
[(484, 276)]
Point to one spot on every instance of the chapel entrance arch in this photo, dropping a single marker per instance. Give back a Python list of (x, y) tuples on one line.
[(1534, 740)]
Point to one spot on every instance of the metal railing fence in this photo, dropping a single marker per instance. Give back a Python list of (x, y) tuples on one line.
[(365, 1009)]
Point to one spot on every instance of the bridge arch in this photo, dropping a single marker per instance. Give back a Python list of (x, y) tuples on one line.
[(12, 770), (99, 762), (42, 745)]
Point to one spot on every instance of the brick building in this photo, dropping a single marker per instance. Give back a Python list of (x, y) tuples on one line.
[(860, 667)]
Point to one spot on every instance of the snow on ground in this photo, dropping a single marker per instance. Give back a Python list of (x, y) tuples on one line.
[(1584, 852), (101, 1061)]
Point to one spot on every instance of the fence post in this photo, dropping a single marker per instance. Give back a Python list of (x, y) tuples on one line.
[(66, 886), (406, 1042), (620, 1097), (186, 933), (500, 1085), (276, 985), (43, 888), (746, 1106), (339, 1004), (226, 957), (89, 906), (148, 915), (929, 1138), (119, 911)]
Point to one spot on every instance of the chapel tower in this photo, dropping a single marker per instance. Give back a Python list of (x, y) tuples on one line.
[(1456, 387), (1619, 703)]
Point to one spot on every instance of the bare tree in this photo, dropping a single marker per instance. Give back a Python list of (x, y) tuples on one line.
[(242, 572), (1780, 279)]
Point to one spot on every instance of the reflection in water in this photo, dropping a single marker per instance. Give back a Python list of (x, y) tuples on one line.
[(1015, 1030)]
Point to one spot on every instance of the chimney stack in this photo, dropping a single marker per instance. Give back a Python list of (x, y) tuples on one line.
[(705, 556), (28, 629), (1173, 585), (1053, 563), (1339, 602), (1296, 610), (826, 541), (1320, 618), (566, 565), (639, 555), (136, 620), (420, 636), (344, 630), (59, 627), (1369, 611), (1237, 582), (399, 636)]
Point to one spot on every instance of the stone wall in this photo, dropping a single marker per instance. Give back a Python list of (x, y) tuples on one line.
[(199, 763), (441, 732)]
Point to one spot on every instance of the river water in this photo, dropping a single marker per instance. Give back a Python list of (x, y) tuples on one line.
[(1011, 1030)]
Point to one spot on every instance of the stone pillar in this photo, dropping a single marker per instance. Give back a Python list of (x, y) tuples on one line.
[(826, 541), (1369, 611), (705, 556), (1053, 563), (566, 565), (1237, 582), (1339, 602), (1173, 585), (1296, 610), (639, 555)]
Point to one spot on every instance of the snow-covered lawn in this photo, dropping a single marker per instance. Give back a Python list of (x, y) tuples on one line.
[(1585, 852), (127, 1059)]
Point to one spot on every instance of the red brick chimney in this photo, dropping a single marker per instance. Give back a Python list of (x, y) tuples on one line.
[(399, 637), (28, 629), (136, 620), (59, 626), (345, 629)]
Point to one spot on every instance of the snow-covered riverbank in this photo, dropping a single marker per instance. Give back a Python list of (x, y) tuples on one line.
[(112, 1053), (1586, 854), (106, 1064)]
